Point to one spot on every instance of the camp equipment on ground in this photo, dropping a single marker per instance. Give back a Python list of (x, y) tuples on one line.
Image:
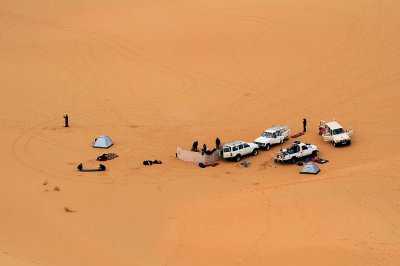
[(204, 165), (196, 157), (103, 142), (100, 169), (107, 156), (246, 164), (148, 162), (318, 160), (310, 168), (297, 135)]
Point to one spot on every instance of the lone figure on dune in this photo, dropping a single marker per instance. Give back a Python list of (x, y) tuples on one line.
[(304, 125), (66, 120)]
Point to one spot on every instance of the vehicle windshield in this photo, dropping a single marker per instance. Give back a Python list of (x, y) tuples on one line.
[(267, 135), (227, 149), (337, 131)]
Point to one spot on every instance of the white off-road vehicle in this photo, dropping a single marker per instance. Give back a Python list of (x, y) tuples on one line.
[(297, 151), (334, 132), (236, 150), (274, 135)]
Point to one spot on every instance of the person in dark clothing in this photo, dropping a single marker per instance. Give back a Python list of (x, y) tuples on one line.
[(304, 125), (217, 143), (80, 167), (194, 146), (66, 120), (204, 148), (102, 167)]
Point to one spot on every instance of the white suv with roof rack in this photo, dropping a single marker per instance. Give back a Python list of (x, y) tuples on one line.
[(333, 132), (236, 150), (274, 135)]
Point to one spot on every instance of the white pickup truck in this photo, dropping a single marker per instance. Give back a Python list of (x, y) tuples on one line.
[(297, 151), (274, 135), (333, 132), (236, 150)]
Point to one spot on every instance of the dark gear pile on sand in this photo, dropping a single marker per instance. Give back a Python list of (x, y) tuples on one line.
[(107, 156), (148, 162)]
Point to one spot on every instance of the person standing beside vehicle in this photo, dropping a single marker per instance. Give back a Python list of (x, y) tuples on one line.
[(194, 146), (217, 143)]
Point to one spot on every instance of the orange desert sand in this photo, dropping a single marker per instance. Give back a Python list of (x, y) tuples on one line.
[(154, 75)]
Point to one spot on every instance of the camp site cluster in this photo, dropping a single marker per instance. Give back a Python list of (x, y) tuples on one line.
[(297, 153)]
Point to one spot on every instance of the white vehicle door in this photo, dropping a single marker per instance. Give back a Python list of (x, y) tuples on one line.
[(245, 148), (279, 137), (349, 131), (240, 149), (235, 150), (285, 133), (327, 136), (301, 151), (274, 138), (226, 152), (305, 151)]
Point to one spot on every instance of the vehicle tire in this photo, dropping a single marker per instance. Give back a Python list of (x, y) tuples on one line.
[(293, 160), (314, 154), (281, 141), (255, 152), (349, 142), (267, 147), (334, 144), (238, 158)]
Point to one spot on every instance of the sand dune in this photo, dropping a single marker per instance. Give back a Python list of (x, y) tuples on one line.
[(154, 75)]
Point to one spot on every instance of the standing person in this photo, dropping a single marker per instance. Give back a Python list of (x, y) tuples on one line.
[(194, 146), (304, 125), (204, 148), (66, 120), (217, 143)]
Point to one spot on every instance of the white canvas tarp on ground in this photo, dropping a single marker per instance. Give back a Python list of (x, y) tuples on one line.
[(196, 157)]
